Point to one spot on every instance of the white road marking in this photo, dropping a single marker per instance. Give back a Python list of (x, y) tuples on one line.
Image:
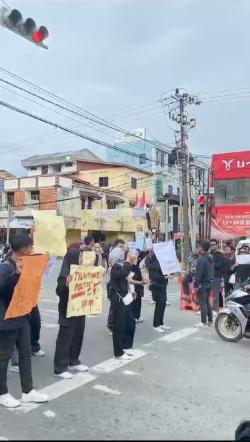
[(180, 334), (50, 414), (113, 363), (198, 339), (48, 324), (53, 301), (106, 389), (131, 373), (58, 389), (3, 438), (47, 310)]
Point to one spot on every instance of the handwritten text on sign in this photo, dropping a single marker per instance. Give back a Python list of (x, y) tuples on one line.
[(85, 291), (27, 290)]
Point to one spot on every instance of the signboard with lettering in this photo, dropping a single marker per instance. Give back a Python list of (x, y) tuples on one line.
[(85, 291)]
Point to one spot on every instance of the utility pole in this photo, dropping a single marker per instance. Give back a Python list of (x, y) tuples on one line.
[(177, 113), (10, 217)]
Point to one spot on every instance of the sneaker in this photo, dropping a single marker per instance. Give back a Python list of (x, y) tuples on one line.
[(8, 401), (210, 324), (139, 320), (34, 396), (198, 313), (128, 351), (200, 325), (80, 367), (168, 304), (39, 353), (64, 375), (124, 357), (165, 327), (152, 302), (14, 368), (158, 329)]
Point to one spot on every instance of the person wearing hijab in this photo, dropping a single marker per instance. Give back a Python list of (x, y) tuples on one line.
[(70, 335)]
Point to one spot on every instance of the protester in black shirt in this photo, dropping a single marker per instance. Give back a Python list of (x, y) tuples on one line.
[(139, 287), (228, 269), (16, 330), (70, 335), (123, 327), (219, 268), (203, 283)]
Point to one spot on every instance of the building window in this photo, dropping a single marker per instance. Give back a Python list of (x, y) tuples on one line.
[(170, 190), (159, 189), (111, 204), (178, 191), (158, 158), (86, 202), (133, 183), (10, 198), (33, 168), (143, 158), (35, 195), (103, 181), (45, 170), (57, 167), (68, 164), (162, 159)]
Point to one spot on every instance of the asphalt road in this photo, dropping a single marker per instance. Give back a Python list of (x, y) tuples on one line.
[(184, 385)]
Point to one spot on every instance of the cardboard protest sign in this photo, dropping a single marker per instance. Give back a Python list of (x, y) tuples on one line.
[(243, 259), (166, 255), (85, 291), (27, 290), (49, 234), (87, 258)]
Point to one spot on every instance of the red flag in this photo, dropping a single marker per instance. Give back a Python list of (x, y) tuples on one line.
[(143, 200), (136, 201)]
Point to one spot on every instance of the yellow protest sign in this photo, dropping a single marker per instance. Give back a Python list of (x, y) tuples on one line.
[(49, 234), (27, 290), (85, 291)]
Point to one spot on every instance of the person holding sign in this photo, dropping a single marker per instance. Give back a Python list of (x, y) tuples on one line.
[(70, 336), (123, 316), (158, 287), (16, 329)]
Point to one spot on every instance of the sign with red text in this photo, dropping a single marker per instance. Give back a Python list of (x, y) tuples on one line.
[(231, 165), (85, 291)]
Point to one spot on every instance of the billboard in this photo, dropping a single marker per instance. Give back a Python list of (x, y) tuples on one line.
[(231, 222), (231, 165)]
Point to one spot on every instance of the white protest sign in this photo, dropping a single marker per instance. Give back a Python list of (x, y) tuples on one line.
[(243, 259), (166, 255), (132, 246)]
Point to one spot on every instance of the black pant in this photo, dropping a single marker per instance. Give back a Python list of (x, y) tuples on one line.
[(21, 337), (137, 306), (205, 306), (69, 344), (110, 321), (159, 295), (35, 328), (123, 326)]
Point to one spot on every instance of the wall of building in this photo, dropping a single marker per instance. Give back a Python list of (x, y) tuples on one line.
[(38, 170), (119, 179)]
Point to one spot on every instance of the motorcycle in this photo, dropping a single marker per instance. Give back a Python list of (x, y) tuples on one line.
[(233, 322)]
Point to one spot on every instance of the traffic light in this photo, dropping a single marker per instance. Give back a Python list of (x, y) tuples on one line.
[(12, 19), (201, 202)]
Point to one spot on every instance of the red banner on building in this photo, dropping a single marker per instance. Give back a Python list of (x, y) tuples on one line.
[(231, 222), (231, 165)]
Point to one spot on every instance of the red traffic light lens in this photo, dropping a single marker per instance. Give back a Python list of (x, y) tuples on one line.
[(37, 37), (201, 199)]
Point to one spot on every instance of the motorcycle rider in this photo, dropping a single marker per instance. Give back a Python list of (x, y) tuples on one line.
[(203, 282)]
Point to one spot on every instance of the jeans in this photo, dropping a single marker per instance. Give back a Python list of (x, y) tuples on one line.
[(69, 344), (123, 326), (205, 306), (159, 295), (8, 339), (216, 291)]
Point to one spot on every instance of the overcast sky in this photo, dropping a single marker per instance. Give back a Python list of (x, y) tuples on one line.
[(109, 56)]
